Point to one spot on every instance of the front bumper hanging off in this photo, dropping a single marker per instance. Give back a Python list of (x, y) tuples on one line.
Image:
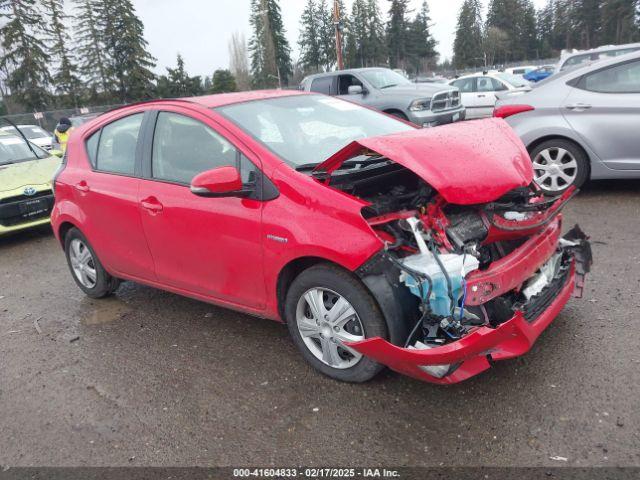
[(473, 353)]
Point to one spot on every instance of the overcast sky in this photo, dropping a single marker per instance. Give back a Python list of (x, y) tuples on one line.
[(200, 29)]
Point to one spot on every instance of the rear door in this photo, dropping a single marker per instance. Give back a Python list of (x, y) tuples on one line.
[(467, 87), (108, 196), (604, 109), (206, 246)]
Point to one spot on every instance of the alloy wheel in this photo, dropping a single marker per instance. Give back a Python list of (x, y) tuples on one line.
[(82, 263), (325, 321), (555, 169)]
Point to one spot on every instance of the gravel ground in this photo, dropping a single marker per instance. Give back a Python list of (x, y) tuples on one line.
[(151, 378)]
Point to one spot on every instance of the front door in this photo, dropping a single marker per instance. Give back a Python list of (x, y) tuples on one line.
[(604, 109), (208, 246)]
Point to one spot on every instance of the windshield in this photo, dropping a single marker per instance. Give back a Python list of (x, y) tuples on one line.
[(308, 129), (514, 80), (384, 78), (33, 132), (15, 150)]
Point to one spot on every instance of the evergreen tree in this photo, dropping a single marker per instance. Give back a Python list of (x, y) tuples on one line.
[(357, 38), (619, 22), (129, 62), (25, 57), (327, 35), (588, 22), (223, 81), (422, 46), (545, 30), (467, 46), (527, 33), (177, 83), (269, 48), (65, 79), (376, 48), (311, 55), (398, 32), (89, 48)]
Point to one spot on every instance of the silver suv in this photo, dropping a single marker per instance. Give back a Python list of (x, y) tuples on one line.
[(425, 104)]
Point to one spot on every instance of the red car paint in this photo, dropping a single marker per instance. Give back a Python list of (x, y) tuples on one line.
[(467, 163), (510, 339), (233, 251)]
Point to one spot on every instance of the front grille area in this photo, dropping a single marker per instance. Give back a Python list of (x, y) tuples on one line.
[(23, 209), (538, 304), (445, 101)]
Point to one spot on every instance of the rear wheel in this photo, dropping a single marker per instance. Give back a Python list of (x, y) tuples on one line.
[(86, 269), (559, 164), (327, 307)]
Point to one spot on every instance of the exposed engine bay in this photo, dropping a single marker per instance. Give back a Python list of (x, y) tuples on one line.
[(456, 268)]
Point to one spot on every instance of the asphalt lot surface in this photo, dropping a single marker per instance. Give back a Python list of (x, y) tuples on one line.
[(151, 378)]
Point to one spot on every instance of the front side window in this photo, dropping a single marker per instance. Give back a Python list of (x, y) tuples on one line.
[(623, 78), (308, 129), (184, 147), (346, 81), (117, 147), (322, 85)]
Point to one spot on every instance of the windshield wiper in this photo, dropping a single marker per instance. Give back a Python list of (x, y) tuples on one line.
[(389, 86), (306, 166), (24, 137)]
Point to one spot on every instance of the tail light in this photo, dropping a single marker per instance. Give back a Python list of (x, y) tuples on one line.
[(508, 110)]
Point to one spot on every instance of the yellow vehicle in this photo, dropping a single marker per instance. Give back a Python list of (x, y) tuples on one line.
[(26, 174)]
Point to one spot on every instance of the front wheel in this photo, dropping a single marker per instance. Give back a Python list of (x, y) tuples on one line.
[(559, 164), (86, 269), (326, 308)]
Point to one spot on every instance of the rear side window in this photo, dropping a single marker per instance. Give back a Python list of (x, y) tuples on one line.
[(623, 78), (322, 85), (92, 148), (184, 147), (117, 145)]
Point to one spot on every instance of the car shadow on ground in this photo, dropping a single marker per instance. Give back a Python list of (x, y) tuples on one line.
[(33, 234)]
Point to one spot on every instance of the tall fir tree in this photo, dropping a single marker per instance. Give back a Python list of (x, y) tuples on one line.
[(422, 46), (65, 79), (467, 45), (327, 35), (89, 48), (398, 33), (223, 81), (129, 62), (25, 57), (619, 21), (545, 30), (588, 22), (269, 48), (376, 47), (358, 36), (310, 41)]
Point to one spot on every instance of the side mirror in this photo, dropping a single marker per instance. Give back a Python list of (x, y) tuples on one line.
[(355, 90), (219, 182)]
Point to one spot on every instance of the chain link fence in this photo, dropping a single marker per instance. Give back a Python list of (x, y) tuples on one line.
[(49, 119)]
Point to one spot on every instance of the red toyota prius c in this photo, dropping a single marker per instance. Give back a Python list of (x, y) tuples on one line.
[(429, 251)]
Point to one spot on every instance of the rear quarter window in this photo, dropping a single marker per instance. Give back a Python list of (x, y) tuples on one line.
[(322, 85), (92, 148)]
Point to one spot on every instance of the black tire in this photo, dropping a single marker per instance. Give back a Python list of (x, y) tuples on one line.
[(398, 114), (343, 283), (582, 161), (105, 284)]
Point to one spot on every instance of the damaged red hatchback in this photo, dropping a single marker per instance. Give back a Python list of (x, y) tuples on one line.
[(429, 251)]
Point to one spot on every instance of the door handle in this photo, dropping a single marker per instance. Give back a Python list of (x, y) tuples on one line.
[(481, 96), (578, 106), (152, 204), (82, 186)]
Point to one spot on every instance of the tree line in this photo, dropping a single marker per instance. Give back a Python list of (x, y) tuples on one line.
[(514, 30), (401, 40), (51, 59)]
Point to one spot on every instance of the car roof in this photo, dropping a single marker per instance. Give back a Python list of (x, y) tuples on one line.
[(223, 99), (347, 71)]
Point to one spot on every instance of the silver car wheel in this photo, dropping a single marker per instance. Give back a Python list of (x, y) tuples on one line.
[(555, 169), (82, 263), (325, 321)]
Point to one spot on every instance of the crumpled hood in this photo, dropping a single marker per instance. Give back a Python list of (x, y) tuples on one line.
[(467, 163), (35, 172)]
